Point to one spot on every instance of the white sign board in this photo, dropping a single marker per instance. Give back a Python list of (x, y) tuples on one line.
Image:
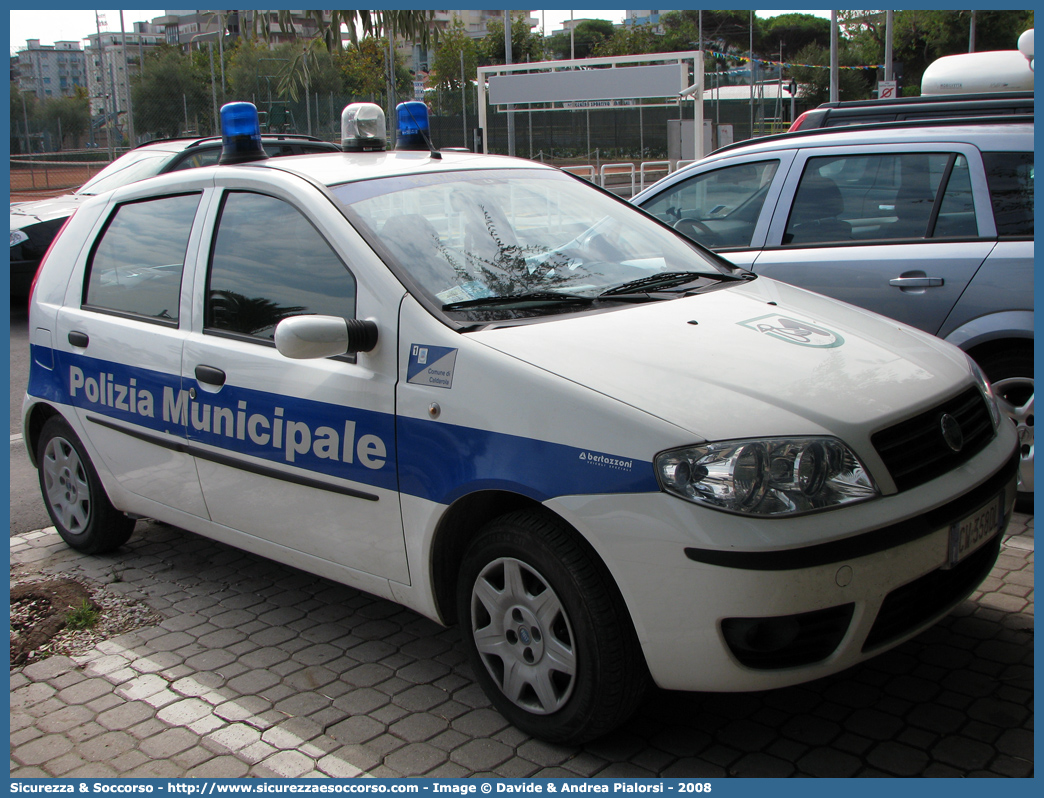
[(617, 83), (886, 89)]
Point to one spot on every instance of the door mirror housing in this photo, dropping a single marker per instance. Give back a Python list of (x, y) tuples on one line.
[(306, 337)]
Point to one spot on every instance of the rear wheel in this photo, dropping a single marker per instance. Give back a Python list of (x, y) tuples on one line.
[(1011, 373), (546, 630), (73, 493)]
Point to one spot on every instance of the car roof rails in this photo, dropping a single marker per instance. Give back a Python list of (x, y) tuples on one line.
[(933, 99), (195, 141), (948, 121)]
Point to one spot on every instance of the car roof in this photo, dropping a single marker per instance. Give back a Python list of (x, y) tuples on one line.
[(333, 169), (994, 136)]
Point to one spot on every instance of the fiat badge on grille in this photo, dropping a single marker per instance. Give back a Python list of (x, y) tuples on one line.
[(951, 432)]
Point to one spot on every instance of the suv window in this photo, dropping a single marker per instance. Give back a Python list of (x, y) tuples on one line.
[(198, 158), (881, 198), (137, 264), (208, 156), (269, 263), (130, 168), (1010, 177), (734, 195)]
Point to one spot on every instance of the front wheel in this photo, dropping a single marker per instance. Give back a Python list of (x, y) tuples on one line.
[(1011, 373), (546, 630), (73, 493)]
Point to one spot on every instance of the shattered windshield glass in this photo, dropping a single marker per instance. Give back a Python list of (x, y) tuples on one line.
[(518, 239)]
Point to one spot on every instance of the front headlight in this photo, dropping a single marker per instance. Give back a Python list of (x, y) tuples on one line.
[(987, 392), (767, 477)]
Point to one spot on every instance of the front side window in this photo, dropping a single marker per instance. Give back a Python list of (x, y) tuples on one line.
[(1010, 177), (720, 208), (137, 264), (269, 263), (870, 198)]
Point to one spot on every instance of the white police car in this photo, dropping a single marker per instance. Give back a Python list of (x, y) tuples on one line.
[(486, 390)]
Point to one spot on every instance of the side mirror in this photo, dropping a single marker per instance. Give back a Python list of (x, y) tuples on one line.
[(306, 337)]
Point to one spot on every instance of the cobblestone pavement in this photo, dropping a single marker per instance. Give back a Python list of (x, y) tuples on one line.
[(262, 670)]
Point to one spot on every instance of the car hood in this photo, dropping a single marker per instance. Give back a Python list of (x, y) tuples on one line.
[(759, 359), (24, 214)]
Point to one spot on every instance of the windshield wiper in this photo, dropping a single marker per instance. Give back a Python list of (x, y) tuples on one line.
[(529, 298), (661, 281)]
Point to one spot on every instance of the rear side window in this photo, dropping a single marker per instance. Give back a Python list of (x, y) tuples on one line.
[(137, 264), (270, 263), (870, 198), (1010, 177)]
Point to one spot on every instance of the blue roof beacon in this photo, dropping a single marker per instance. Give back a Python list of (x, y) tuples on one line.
[(412, 126), (240, 134)]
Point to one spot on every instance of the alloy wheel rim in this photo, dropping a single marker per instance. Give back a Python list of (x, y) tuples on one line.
[(523, 636), (65, 482)]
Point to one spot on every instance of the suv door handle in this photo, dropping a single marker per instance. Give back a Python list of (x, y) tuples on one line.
[(916, 282), (210, 375)]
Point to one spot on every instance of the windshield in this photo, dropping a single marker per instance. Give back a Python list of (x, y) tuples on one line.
[(130, 168), (521, 240)]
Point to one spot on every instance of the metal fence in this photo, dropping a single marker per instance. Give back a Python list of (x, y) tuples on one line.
[(591, 137), (53, 173)]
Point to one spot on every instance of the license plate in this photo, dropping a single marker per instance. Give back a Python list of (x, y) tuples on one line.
[(972, 532)]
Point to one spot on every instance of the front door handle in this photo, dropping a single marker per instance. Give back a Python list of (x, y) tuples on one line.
[(916, 282), (210, 375), (79, 339)]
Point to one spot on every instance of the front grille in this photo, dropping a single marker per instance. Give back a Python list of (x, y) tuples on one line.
[(910, 606), (915, 450)]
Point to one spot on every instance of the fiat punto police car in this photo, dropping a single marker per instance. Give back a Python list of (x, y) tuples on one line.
[(485, 389)]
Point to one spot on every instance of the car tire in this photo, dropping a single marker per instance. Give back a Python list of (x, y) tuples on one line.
[(73, 493), (546, 630), (1011, 373)]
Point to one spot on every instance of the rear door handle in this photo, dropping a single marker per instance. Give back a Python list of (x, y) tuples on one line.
[(916, 282), (79, 339)]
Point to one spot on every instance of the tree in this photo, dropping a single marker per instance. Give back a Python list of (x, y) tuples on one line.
[(729, 31), (814, 81), (587, 35), (792, 33), (23, 109), (65, 117), (312, 69), (365, 69), (172, 88), (525, 45), (414, 25), (631, 40), (253, 69), (445, 74), (919, 37)]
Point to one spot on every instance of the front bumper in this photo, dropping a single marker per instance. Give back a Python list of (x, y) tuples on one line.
[(822, 607)]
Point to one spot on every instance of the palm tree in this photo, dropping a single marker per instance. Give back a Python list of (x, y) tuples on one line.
[(414, 25)]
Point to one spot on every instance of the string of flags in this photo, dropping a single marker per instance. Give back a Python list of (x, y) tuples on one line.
[(785, 63)]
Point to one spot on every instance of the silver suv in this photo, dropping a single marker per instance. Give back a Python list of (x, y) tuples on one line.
[(930, 224)]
